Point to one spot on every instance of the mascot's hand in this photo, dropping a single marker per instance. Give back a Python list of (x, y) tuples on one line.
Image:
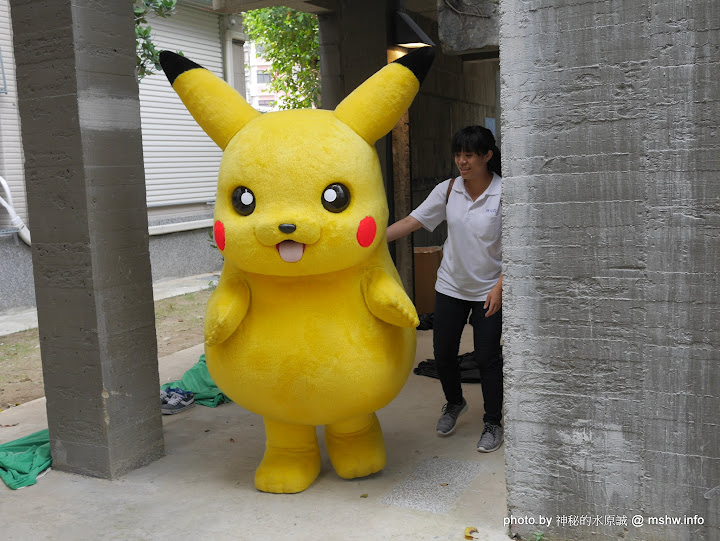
[(226, 308), (387, 300)]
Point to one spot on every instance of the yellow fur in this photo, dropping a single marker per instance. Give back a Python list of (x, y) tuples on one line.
[(329, 339), (205, 91)]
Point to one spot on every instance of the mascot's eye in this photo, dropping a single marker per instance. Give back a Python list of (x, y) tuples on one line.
[(243, 200), (336, 197)]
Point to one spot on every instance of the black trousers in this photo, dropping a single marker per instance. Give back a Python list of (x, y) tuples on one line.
[(450, 317)]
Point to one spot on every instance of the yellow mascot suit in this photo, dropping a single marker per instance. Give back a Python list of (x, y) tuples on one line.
[(309, 324)]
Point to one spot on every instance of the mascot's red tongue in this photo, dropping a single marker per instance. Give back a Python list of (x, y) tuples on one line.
[(290, 251)]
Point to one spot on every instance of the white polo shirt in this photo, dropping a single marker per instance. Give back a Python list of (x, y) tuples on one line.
[(472, 254)]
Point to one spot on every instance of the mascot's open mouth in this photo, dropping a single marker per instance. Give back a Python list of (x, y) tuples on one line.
[(290, 251)]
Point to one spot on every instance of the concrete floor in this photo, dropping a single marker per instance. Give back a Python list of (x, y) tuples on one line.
[(432, 488)]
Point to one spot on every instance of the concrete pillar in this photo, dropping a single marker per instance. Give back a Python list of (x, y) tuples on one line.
[(611, 220), (80, 116), (332, 81), (353, 45)]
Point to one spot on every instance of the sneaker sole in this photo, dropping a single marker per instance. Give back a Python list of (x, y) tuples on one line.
[(449, 432), (178, 410), (481, 450)]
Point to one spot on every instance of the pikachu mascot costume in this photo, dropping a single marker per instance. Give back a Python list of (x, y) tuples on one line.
[(309, 324)]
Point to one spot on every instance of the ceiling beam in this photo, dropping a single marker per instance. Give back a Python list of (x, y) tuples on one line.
[(237, 6)]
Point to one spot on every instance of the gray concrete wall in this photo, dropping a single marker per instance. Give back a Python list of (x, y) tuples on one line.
[(186, 253), (468, 26), (454, 94), (17, 289), (611, 226), (174, 255)]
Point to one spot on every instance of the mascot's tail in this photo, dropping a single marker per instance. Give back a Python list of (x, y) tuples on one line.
[(371, 110)]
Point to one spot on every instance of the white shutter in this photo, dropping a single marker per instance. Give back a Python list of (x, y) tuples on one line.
[(181, 161), (11, 154)]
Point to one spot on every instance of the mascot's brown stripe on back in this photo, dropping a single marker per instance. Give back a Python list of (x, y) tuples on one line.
[(175, 65)]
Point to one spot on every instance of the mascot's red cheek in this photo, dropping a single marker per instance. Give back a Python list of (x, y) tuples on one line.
[(219, 231), (366, 232)]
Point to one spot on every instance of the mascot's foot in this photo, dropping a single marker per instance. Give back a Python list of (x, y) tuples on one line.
[(292, 459), (356, 446), (287, 472)]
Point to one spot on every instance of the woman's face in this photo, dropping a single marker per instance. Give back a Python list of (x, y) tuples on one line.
[(472, 165)]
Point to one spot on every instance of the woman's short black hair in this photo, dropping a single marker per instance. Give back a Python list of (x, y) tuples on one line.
[(478, 140)]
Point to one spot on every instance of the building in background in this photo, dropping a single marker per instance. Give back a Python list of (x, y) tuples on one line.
[(258, 76)]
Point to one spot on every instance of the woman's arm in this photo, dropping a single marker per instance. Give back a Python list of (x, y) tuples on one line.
[(431, 212), (404, 227), (494, 298)]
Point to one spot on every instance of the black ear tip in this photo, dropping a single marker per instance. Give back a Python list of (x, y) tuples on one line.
[(418, 61), (174, 65), (165, 56)]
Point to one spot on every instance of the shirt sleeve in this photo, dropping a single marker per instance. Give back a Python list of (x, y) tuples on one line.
[(431, 212)]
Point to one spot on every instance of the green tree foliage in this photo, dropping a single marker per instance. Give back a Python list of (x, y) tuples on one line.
[(147, 56), (290, 42)]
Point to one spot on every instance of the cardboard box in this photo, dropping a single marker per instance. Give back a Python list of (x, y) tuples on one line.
[(427, 261)]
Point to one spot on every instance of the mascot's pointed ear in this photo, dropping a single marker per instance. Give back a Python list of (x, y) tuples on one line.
[(213, 103), (374, 107)]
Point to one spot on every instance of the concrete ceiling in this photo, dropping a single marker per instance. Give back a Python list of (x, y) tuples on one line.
[(236, 6), (426, 8)]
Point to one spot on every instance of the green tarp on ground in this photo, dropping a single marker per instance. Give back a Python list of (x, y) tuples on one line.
[(198, 381), (21, 461)]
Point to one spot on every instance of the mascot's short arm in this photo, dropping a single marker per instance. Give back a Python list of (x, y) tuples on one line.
[(226, 308), (387, 300)]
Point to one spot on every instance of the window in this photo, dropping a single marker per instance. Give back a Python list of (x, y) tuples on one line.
[(263, 77), (265, 103)]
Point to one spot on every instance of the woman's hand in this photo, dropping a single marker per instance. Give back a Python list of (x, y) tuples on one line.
[(493, 303)]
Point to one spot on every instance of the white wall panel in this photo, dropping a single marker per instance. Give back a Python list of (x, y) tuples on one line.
[(11, 155), (181, 161)]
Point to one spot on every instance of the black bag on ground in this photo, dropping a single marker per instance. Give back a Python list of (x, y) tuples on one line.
[(469, 370)]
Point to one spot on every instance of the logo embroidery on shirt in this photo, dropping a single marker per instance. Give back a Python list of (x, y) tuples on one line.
[(490, 211)]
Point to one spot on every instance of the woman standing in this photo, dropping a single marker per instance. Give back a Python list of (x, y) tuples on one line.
[(469, 280)]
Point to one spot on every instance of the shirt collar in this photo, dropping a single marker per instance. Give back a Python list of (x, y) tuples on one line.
[(495, 187)]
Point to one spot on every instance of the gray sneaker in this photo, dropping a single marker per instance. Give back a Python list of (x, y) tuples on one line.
[(177, 400), (450, 414), (491, 439)]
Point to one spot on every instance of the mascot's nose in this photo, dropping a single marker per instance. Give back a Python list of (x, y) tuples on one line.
[(287, 228)]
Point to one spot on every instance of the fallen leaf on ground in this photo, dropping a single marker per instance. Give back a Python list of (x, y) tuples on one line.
[(363, 495), (469, 531)]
